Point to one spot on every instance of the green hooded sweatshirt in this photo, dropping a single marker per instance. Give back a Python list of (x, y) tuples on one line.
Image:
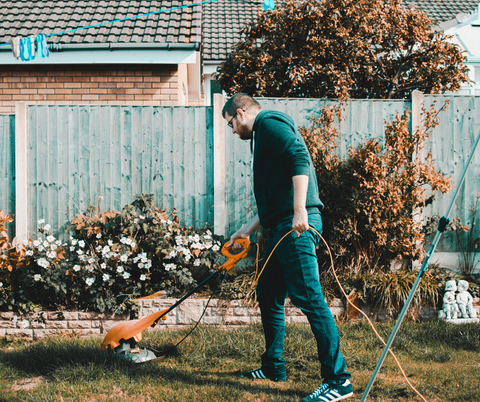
[(279, 153)]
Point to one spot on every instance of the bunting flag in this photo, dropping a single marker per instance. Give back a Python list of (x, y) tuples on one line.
[(42, 48), (268, 4), (25, 48)]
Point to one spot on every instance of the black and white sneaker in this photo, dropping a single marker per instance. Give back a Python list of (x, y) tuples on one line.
[(260, 374), (330, 392)]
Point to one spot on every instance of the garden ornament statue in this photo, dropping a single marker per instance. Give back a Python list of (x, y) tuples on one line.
[(458, 308), (450, 307), (465, 301)]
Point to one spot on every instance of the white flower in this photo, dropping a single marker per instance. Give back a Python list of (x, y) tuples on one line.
[(110, 243), (105, 277), (50, 238), (81, 243), (141, 217), (99, 235), (45, 244), (89, 281), (72, 248), (82, 257), (135, 220), (123, 257), (52, 254), (37, 277), (74, 241), (36, 243), (143, 277), (58, 243), (208, 245), (179, 240), (120, 269), (172, 254), (29, 253), (126, 275), (41, 221), (103, 265), (168, 267), (53, 247), (91, 260), (148, 265), (79, 252), (89, 268), (76, 268), (140, 265), (1, 284), (24, 324), (40, 248), (43, 262), (215, 247), (196, 263), (47, 227), (133, 244)]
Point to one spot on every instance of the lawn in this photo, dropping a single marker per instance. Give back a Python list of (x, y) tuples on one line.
[(442, 361)]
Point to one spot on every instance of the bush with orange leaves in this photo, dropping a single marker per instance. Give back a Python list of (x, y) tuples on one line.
[(375, 196)]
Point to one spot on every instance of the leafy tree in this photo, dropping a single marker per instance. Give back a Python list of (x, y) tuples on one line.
[(342, 49)]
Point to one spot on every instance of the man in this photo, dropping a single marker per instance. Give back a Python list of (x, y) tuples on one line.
[(286, 193)]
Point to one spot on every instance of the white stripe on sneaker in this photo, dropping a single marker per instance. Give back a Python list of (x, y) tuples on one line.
[(259, 374)]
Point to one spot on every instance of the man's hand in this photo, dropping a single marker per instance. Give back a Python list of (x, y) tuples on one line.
[(244, 232), (300, 221)]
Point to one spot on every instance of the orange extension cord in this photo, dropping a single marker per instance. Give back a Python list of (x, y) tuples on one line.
[(257, 277)]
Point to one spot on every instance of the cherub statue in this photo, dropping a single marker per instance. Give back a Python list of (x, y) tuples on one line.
[(465, 301), (450, 307)]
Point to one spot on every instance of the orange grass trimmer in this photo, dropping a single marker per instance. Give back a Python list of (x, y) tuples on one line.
[(123, 337)]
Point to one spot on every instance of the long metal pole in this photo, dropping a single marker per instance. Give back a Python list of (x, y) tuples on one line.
[(441, 227)]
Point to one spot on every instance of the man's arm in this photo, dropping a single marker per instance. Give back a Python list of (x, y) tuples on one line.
[(300, 216), (246, 230)]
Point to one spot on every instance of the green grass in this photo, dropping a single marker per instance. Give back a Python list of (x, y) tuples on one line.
[(442, 361)]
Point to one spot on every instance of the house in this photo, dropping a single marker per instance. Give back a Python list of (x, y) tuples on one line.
[(461, 20), (136, 52), (158, 52)]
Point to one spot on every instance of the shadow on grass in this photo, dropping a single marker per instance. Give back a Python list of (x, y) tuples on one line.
[(65, 359)]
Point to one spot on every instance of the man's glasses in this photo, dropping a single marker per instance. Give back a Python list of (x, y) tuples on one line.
[(230, 124)]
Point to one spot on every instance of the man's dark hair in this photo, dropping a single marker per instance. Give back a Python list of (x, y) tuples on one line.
[(239, 101)]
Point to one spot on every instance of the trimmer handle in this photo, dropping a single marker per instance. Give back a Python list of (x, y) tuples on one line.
[(234, 258)]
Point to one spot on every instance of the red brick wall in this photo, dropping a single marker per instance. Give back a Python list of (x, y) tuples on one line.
[(138, 84)]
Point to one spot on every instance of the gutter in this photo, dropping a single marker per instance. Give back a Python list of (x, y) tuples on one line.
[(111, 53)]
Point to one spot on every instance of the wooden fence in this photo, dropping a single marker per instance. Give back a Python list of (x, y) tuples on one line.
[(58, 159)]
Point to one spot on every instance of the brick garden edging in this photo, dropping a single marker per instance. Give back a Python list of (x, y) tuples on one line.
[(225, 314), (219, 312)]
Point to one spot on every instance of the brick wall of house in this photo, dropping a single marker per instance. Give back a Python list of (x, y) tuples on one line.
[(91, 84)]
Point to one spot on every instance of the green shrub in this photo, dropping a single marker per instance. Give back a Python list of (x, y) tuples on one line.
[(112, 258)]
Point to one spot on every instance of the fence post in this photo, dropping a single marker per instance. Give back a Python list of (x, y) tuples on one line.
[(21, 172), (219, 167), (418, 99)]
